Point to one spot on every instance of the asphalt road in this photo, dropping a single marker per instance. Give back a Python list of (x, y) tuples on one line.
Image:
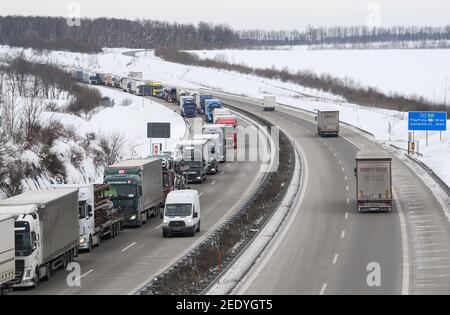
[(121, 265), (331, 248)]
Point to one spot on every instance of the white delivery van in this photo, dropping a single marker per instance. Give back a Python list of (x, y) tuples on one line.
[(182, 213)]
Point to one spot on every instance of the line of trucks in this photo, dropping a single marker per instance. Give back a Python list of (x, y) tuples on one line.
[(43, 230)]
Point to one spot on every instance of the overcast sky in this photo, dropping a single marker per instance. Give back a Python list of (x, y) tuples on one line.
[(245, 14)]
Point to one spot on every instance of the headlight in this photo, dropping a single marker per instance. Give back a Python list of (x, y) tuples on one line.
[(133, 217), (82, 241), (166, 221), (198, 177), (27, 274), (189, 221)]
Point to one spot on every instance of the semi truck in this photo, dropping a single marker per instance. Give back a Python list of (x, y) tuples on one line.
[(7, 252), (136, 189), (215, 151), (201, 98), (221, 131), (46, 232), (373, 173), (155, 88), (328, 123), (231, 122), (188, 107), (195, 155), (269, 103), (210, 106), (97, 215)]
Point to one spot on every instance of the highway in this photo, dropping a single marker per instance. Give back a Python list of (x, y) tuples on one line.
[(328, 246), (123, 264)]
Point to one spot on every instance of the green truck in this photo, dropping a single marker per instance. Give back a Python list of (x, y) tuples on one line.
[(136, 189)]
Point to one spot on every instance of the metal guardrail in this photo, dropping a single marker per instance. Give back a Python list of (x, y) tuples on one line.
[(433, 175), (216, 235)]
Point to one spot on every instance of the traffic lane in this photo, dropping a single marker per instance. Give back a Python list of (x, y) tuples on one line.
[(365, 241), (300, 263), (115, 272)]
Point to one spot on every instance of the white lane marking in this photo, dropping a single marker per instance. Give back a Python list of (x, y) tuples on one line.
[(213, 182), (322, 291), (200, 194), (223, 172), (159, 226), (346, 178), (343, 234), (84, 275), (404, 235), (354, 143), (348, 201), (335, 154), (340, 162), (343, 169), (228, 165), (335, 259), (128, 247), (347, 188), (346, 215)]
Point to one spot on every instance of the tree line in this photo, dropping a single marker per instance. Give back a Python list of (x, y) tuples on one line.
[(93, 34)]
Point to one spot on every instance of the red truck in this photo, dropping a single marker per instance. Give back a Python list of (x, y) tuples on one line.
[(231, 122)]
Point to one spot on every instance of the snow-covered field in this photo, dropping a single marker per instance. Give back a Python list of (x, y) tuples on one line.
[(422, 72), (387, 126)]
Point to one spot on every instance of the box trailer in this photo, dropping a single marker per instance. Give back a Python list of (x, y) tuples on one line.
[(373, 173), (7, 252), (269, 103), (136, 189), (328, 123), (46, 232)]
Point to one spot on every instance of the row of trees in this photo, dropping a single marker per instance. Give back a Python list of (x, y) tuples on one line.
[(92, 34)]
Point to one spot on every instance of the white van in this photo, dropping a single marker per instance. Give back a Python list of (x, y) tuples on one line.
[(182, 213)]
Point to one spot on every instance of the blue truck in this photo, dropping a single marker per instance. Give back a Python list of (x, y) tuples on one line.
[(201, 102), (188, 107), (210, 106)]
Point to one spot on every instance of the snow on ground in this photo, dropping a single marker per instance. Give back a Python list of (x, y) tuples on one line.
[(410, 71), (387, 126), (129, 121)]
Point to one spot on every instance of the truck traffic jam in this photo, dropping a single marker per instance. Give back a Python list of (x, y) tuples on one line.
[(44, 230)]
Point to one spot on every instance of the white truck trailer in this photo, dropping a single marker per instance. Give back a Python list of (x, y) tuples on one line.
[(373, 173), (7, 252), (46, 232), (269, 103), (328, 123)]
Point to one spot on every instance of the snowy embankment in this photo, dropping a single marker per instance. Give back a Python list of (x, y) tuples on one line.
[(127, 119), (387, 126)]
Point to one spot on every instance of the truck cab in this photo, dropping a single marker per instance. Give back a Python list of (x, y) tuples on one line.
[(182, 213), (201, 99), (125, 192), (27, 230), (215, 151), (188, 107), (195, 156), (210, 106)]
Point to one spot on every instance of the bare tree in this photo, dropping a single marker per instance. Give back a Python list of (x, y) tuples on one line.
[(31, 111), (111, 147)]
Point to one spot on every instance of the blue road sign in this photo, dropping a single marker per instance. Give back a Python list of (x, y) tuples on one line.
[(427, 121)]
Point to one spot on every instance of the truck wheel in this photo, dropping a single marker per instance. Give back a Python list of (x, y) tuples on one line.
[(165, 234), (36, 279), (48, 272), (198, 228), (90, 244)]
